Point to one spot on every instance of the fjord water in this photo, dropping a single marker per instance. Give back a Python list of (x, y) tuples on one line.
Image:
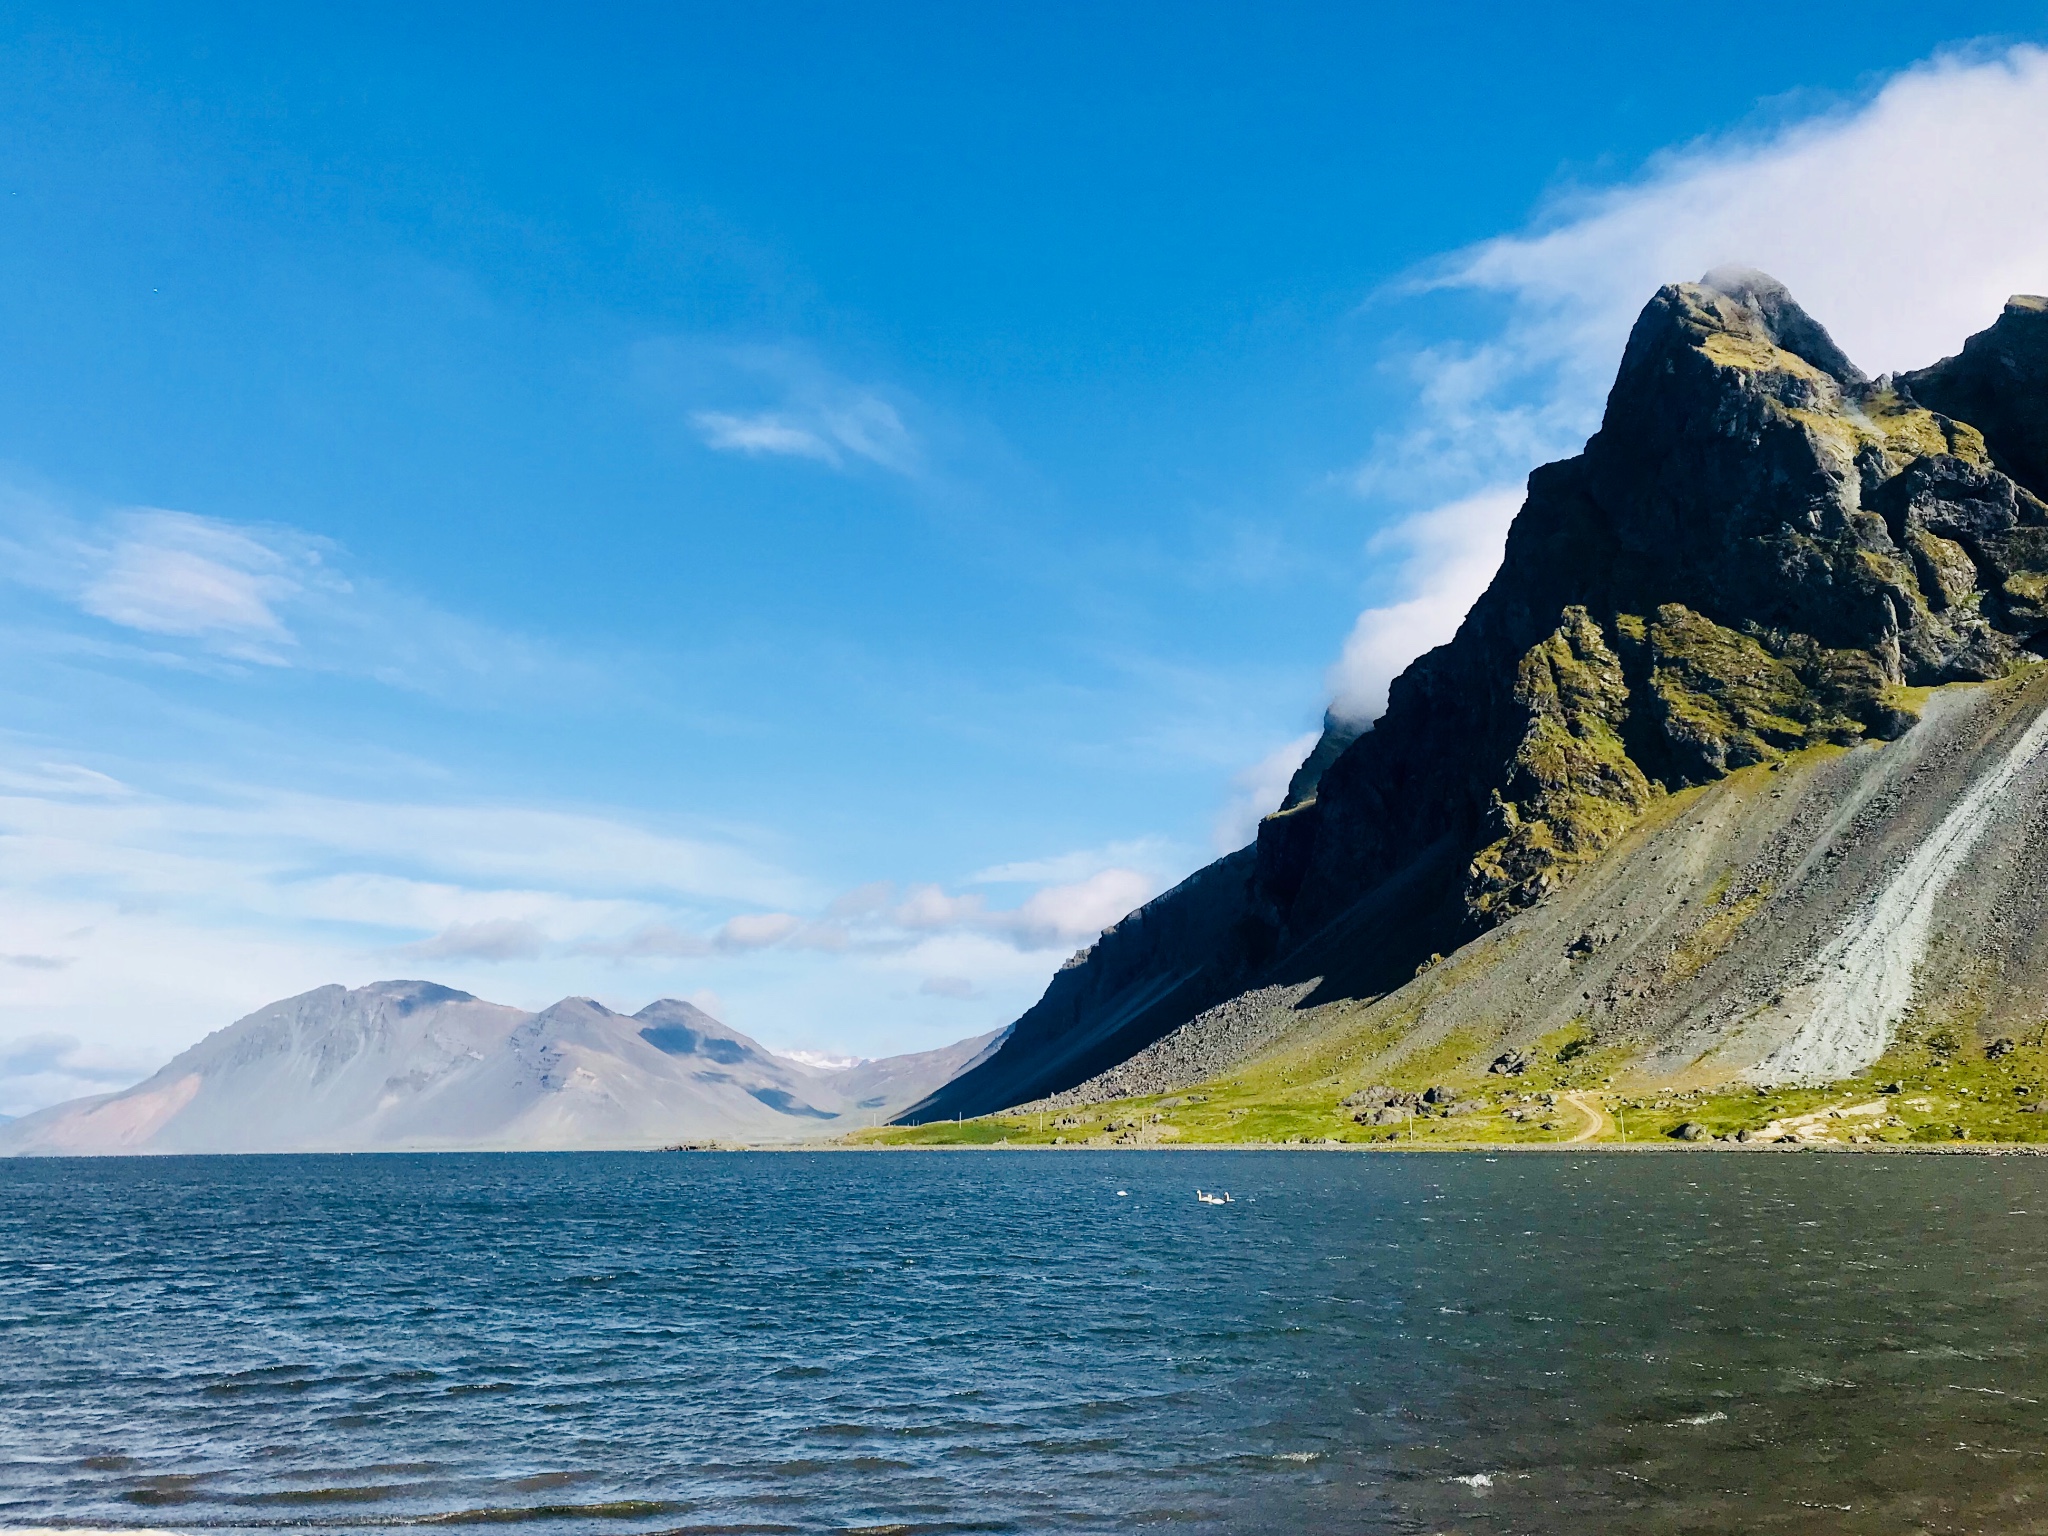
[(1026, 1341)]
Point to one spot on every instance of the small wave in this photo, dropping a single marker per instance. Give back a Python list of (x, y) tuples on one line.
[(171, 1488), (236, 1386), (343, 1493), (616, 1509), (1995, 1392), (1715, 1417), (540, 1482), (1474, 1480), (1073, 1447)]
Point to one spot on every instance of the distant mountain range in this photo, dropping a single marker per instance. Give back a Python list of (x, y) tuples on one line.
[(411, 1066)]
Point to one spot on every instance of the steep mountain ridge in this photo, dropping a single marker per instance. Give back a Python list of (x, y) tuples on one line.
[(409, 1065), (1761, 552)]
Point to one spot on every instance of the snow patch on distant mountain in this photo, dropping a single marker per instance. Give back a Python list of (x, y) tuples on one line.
[(822, 1061)]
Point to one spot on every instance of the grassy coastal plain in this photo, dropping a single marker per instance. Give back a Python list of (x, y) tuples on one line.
[(1932, 1087)]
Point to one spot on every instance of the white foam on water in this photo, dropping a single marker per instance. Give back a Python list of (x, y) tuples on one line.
[(1862, 982)]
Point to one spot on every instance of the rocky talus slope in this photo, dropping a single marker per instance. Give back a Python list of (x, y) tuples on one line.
[(411, 1066), (1735, 765)]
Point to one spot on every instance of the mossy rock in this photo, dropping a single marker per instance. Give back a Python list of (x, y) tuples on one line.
[(1572, 787)]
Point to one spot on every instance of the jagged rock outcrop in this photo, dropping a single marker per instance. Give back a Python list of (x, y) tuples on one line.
[(1760, 550), (1997, 384)]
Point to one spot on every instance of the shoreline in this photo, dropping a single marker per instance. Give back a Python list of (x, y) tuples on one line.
[(1384, 1149), (1573, 1148)]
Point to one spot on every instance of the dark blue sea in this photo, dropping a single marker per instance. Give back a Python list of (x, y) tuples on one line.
[(1026, 1342)]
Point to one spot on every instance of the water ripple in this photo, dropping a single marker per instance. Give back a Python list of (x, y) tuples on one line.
[(724, 1343)]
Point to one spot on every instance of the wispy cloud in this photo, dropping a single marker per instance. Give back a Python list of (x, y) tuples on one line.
[(783, 402), (37, 962), (763, 433), (153, 587), (1902, 222), (1445, 557), (37, 1069), (1899, 277), (169, 573), (1153, 856), (858, 427), (882, 918), (140, 917), (499, 939), (1257, 791)]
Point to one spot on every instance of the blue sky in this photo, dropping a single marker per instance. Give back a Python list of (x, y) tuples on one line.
[(821, 508)]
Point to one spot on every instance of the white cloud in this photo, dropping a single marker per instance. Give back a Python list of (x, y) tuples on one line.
[(41, 1068), (1052, 917), (763, 433), (189, 849), (756, 930), (37, 962), (876, 920), (653, 941), (69, 779), (862, 900), (502, 938), (1076, 913), (137, 920), (172, 574), (815, 414), (1446, 556), (212, 594), (1257, 792), (1902, 223), (141, 919), (1153, 855)]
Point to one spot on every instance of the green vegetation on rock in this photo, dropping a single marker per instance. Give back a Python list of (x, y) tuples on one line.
[(1572, 787), (1932, 1090)]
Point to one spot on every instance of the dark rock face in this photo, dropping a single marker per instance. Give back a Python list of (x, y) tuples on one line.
[(1999, 384), (1337, 735), (1753, 554), (1179, 954)]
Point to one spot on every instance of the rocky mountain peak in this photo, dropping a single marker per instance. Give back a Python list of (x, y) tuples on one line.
[(1769, 306), (405, 996)]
